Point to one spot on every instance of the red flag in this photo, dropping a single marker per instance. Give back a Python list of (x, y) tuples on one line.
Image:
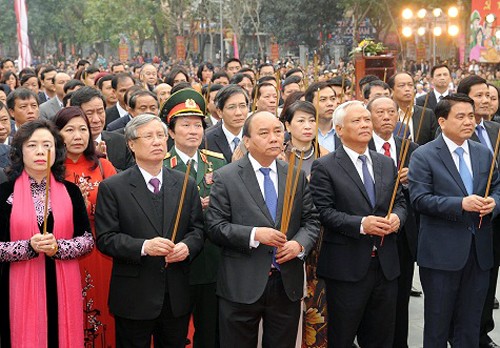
[(235, 48), (23, 42)]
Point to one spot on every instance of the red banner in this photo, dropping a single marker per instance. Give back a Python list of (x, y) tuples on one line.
[(275, 52), (484, 23), (180, 47)]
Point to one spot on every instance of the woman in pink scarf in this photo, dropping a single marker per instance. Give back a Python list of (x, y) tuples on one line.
[(40, 289)]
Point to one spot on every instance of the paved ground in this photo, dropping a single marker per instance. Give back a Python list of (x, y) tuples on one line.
[(417, 318)]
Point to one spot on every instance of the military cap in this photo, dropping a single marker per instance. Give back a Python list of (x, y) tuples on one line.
[(186, 102)]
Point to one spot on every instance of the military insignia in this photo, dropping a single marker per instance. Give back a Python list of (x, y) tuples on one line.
[(173, 162), (209, 180), (190, 103)]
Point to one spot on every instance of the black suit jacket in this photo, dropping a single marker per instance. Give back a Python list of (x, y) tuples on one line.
[(429, 125), (410, 227), (117, 150), (4, 155), (216, 141), (118, 125), (111, 115), (342, 202), (492, 130), (125, 217), (431, 102), (41, 98), (236, 207)]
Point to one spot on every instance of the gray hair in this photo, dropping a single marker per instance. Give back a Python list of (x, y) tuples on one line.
[(341, 111), (140, 120)]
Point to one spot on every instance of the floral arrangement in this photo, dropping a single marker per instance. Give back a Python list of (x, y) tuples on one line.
[(368, 47)]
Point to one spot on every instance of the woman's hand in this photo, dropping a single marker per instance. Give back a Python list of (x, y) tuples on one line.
[(44, 243)]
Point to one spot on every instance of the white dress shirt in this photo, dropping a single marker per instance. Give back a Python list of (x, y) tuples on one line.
[(230, 136), (147, 177), (379, 143), (185, 158), (452, 147), (121, 110), (401, 119)]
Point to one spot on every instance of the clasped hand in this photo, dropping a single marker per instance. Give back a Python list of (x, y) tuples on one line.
[(478, 204), (165, 247), (379, 225), (287, 249), (44, 243)]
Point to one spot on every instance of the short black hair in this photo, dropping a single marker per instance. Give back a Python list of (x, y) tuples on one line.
[(233, 59), (82, 63), (445, 104), (439, 66), (28, 76), (115, 65), (313, 88), (293, 71), (219, 74), (392, 80), (71, 84), (367, 79), (238, 77), (368, 88), (140, 93), (202, 66), (213, 88), (21, 93), (86, 94), (256, 90), (467, 83), (290, 80), (179, 86), (3, 61), (265, 79), (226, 92), (119, 78), (103, 79), (176, 70), (337, 81), (48, 69), (264, 65), (299, 105)]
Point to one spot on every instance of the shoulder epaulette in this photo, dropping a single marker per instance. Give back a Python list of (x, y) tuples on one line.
[(167, 156), (212, 154)]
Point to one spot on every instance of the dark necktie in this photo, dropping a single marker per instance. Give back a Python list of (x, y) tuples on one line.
[(368, 181), (236, 142), (271, 199), (155, 182), (464, 171), (387, 149), (480, 134)]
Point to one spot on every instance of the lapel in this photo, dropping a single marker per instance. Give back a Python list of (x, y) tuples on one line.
[(377, 173), (474, 158), (351, 171), (282, 173), (250, 182), (221, 141), (140, 193), (338, 142), (202, 168), (445, 155), (492, 133), (170, 206)]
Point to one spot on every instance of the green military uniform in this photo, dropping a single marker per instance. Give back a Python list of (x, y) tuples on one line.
[(203, 270)]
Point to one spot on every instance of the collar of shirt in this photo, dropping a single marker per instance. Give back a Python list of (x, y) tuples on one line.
[(354, 156), (230, 136), (331, 132), (99, 138), (60, 102), (402, 113), (379, 143), (46, 96), (437, 94), (214, 120), (452, 147), (185, 158), (273, 174), (121, 110), (148, 177)]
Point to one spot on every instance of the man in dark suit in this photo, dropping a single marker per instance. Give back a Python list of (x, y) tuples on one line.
[(486, 132), (441, 79), (421, 131), (327, 137), (352, 189), (257, 281), (384, 113), (135, 219), (232, 105), (120, 84), (139, 102), (448, 179), (113, 145)]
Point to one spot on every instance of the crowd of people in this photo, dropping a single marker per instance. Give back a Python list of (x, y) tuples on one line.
[(268, 205)]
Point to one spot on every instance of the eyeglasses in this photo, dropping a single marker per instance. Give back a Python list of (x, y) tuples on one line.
[(151, 137), (233, 107)]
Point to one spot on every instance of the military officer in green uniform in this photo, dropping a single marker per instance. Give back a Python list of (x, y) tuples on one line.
[(184, 114)]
